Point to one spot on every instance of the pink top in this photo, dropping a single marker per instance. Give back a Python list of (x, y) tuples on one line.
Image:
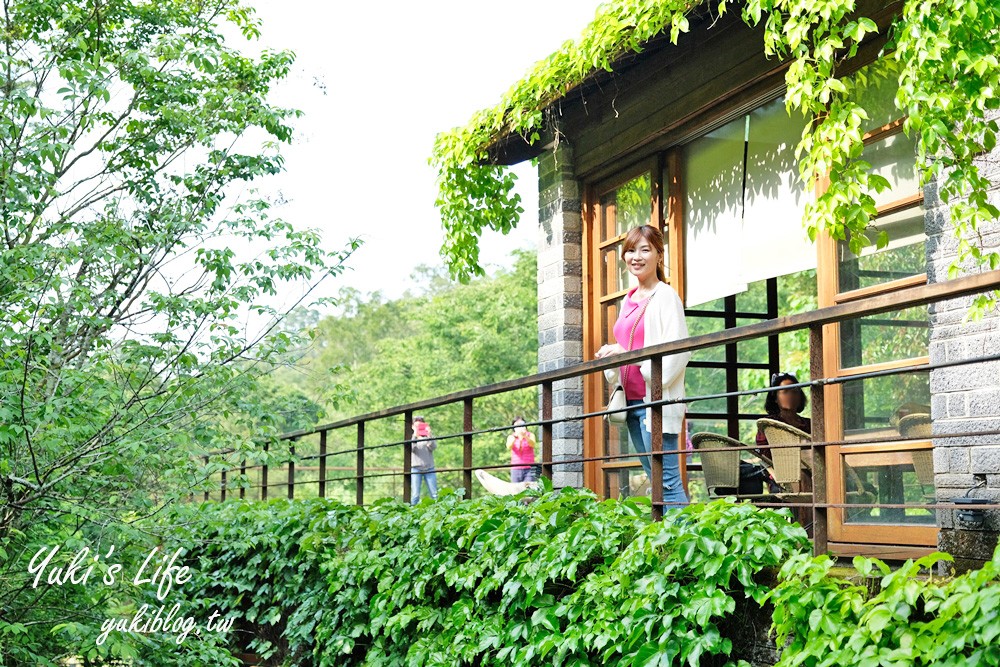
[(522, 449), (635, 386)]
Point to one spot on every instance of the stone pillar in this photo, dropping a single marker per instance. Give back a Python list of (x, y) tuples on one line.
[(560, 302), (967, 397)]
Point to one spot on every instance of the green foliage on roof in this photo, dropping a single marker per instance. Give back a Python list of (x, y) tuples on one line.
[(945, 51)]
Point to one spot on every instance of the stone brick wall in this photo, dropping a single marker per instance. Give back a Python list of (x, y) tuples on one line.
[(560, 302), (963, 398)]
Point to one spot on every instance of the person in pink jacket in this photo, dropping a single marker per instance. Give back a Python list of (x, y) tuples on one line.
[(521, 444)]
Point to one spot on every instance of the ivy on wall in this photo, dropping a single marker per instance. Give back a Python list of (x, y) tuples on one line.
[(947, 56)]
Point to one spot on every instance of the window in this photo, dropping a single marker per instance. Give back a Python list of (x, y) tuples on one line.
[(744, 203), (861, 410)]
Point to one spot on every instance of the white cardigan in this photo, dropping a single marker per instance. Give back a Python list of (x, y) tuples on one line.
[(664, 322)]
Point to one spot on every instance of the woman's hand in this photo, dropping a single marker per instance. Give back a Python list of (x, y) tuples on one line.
[(608, 350)]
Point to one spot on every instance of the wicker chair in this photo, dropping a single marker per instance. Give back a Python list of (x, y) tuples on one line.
[(722, 469), (787, 461), (918, 425)]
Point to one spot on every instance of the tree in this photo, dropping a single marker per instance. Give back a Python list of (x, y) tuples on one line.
[(433, 341), (129, 313)]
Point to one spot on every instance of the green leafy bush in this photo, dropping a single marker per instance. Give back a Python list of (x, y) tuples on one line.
[(909, 620), (565, 579), (558, 579)]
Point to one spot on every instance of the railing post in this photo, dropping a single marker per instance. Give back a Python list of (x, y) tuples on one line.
[(732, 372), (359, 490), (243, 474), (656, 439), (820, 496), (407, 452), (291, 469), (263, 474), (322, 464), (208, 495), (547, 430), (467, 448), (222, 489)]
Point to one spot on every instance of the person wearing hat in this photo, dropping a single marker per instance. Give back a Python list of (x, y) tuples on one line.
[(422, 461), (521, 444)]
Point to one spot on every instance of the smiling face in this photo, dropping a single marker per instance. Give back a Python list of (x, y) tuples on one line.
[(643, 253), (642, 260)]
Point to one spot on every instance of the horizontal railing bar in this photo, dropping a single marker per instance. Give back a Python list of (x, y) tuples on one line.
[(925, 506), (742, 416), (846, 442), (739, 365), (683, 450), (720, 314), (827, 443), (921, 368), (905, 298)]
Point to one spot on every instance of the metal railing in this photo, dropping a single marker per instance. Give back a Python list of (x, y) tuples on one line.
[(819, 380)]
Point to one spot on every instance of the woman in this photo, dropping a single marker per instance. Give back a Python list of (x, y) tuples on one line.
[(422, 461), (521, 444), (784, 405), (651, 314)]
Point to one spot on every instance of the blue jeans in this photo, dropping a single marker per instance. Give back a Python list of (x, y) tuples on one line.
[(423, 475), (523, 474), (673, 487)]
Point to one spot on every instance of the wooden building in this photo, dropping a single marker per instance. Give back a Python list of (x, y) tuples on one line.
[(695, 139)]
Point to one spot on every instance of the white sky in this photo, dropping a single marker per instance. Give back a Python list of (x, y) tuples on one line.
[(395, 74)]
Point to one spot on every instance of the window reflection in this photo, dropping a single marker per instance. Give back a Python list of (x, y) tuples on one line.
[(890, 478)]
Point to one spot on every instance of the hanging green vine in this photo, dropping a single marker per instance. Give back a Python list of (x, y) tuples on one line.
[(947, 55), (474, 195)]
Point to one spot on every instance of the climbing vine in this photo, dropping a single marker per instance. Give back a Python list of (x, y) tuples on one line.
[(946, 54)]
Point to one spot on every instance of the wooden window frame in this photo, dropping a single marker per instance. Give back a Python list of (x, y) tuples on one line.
[(844, 537), (666, 209)]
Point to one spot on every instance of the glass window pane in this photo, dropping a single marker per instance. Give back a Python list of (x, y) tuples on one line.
[(890, 478), (704, 381), (904, 256), (874, 88), (610, 317), (750, 351), (754, 299), (713, 210), (754, 379), (900, 334), (895, 159), (696, 425), (699, 325), (870, 405), (718, 305), (617, 442), (615, 274), (634, 204), (623, 483)]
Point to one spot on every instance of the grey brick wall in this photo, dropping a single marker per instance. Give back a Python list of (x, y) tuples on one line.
[(560, 302), (963, 398)]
